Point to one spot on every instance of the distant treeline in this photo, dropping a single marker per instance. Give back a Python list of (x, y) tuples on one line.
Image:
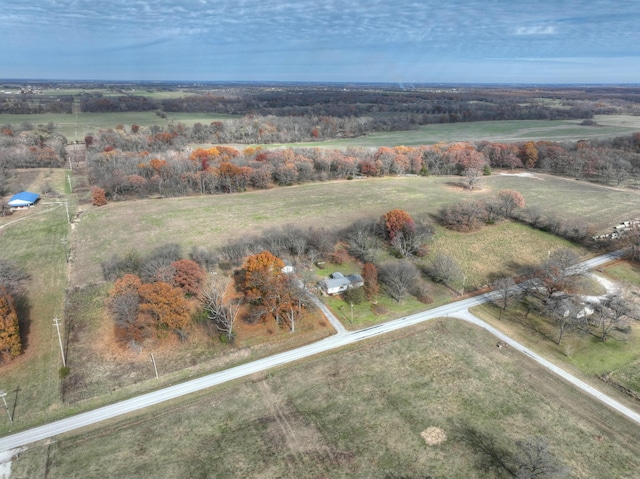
[(377, 109), (128, 164)]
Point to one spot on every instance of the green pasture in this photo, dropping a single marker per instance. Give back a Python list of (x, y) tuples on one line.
[(495, 251), (498, 131), (358, 412), (38, 240), (65, 123)]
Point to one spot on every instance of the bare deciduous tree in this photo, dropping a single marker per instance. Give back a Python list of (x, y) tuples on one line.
[(505, 293), (12, 278), (611, 315), (222, 312), (567, 312), (444, 269), (398, 278)]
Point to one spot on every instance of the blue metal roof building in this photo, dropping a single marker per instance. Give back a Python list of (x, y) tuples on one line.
[(23, 199)]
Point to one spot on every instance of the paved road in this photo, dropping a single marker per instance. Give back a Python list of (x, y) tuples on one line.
[(467, 316), (458, 308)]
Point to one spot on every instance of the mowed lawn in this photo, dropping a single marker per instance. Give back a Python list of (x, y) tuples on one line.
[(358, 412), (210, 221)]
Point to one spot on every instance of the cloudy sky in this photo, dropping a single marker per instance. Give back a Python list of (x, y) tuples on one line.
[(397, 41)]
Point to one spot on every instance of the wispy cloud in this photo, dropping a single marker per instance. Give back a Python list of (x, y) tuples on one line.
[(536, 30), (316, 36)]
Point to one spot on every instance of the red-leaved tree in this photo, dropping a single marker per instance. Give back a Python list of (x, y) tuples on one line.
[(188, 275), (396, 222)]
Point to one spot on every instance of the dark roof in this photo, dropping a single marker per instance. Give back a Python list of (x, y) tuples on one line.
[(24, 197)]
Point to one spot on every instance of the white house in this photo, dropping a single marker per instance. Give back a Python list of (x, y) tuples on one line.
[(338, 283)]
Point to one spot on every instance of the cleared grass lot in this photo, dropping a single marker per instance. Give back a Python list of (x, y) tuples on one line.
[(358, 412), (212, 220)]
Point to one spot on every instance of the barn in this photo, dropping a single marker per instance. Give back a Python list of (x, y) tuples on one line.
[(24, 199)]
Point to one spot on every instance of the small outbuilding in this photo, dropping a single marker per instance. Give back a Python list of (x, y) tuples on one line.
[(24, 199), (288, 267)]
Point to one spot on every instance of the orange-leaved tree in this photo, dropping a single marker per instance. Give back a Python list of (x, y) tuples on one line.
[(166, 305), (259, 269), (10, 343), (274, 294), (396, 222), (131, 327), (98, 196), (529, 154)]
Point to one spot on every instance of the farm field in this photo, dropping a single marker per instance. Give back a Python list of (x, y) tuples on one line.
[(358, 412), (498, 131), (65, 124), (212, 220)]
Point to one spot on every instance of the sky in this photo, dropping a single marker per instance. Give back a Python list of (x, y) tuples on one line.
[(391, 41)]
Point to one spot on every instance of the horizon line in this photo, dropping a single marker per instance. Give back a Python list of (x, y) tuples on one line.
[(407, 84)]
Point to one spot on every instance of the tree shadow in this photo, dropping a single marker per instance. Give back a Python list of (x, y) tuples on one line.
[(491, 457), (15, 402), (23, 310)]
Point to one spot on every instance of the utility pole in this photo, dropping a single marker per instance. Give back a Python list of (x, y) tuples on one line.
[(3, 395), (56, 323), (351, 313), (66, 207), (155, 368)]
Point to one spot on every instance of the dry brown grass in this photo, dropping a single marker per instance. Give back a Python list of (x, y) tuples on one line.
[(358, 412), (433, 436)]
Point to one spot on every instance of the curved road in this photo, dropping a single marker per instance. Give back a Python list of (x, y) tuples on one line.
[(458, 309)]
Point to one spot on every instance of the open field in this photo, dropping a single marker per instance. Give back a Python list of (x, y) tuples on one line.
[(38, 241), (496, 251), (358, 412), (212, 220), (65, 124), (499, 131)]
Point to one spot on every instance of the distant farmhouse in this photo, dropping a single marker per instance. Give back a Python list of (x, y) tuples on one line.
[(24, 199), (338, 283)]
